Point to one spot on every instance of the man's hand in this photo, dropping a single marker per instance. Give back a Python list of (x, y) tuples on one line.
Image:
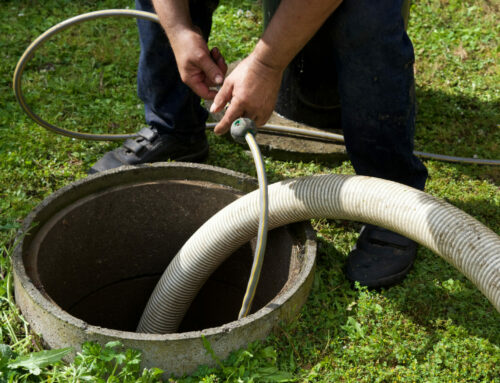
[(252, 89), (199, 68)]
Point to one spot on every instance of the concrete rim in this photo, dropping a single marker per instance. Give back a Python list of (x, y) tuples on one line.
[(53, 309)]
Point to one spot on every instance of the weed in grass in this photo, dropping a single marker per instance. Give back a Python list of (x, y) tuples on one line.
[(10, 365), (256, 364)]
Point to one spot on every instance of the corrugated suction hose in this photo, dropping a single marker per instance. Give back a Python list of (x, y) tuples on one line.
[(449, 232)]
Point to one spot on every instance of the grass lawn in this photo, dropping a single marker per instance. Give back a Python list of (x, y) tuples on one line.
[(434, 327)]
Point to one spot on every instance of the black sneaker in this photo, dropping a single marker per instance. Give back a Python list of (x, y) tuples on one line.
[(150, 146), (380, 258)]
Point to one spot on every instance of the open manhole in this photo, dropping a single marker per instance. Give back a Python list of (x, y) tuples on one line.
[(94, 251)]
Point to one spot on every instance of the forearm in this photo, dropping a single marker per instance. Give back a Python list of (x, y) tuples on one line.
[(174, 16), (292, 26)]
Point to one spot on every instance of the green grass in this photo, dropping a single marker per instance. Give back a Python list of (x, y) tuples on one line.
[(435, 327)]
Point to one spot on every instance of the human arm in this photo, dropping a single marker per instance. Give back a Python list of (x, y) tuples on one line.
[(253, 86), (198, 67)]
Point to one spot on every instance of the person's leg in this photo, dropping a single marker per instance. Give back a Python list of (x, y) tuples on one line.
[(377, 90), (173, 112), (374, 59), (169, 104)]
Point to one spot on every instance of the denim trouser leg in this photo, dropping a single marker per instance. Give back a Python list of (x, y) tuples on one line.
[(170, 105), (377, 89)]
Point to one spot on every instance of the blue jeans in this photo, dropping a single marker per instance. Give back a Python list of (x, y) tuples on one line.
[(374, 63), (170, 106)]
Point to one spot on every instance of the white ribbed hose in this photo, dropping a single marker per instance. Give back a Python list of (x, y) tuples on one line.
[(449, 232)]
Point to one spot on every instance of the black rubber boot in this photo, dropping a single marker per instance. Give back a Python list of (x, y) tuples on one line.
[(150, 146), (380, 258)]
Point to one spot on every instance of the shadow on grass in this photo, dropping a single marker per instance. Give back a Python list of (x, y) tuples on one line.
[(436, 291), (460, 126)]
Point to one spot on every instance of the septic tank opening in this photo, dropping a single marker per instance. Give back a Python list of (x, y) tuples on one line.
[(99, 258)]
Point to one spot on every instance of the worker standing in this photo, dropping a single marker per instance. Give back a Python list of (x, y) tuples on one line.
[(374, 62)]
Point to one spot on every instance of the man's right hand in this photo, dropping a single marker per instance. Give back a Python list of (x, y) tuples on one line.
[(199, 68)]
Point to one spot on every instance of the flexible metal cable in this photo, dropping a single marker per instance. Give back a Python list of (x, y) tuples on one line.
[(243, 129), (28, 54), (323, 135), (260, 247)]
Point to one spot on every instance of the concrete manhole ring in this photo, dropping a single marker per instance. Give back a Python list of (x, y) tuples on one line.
[(93, 251)]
